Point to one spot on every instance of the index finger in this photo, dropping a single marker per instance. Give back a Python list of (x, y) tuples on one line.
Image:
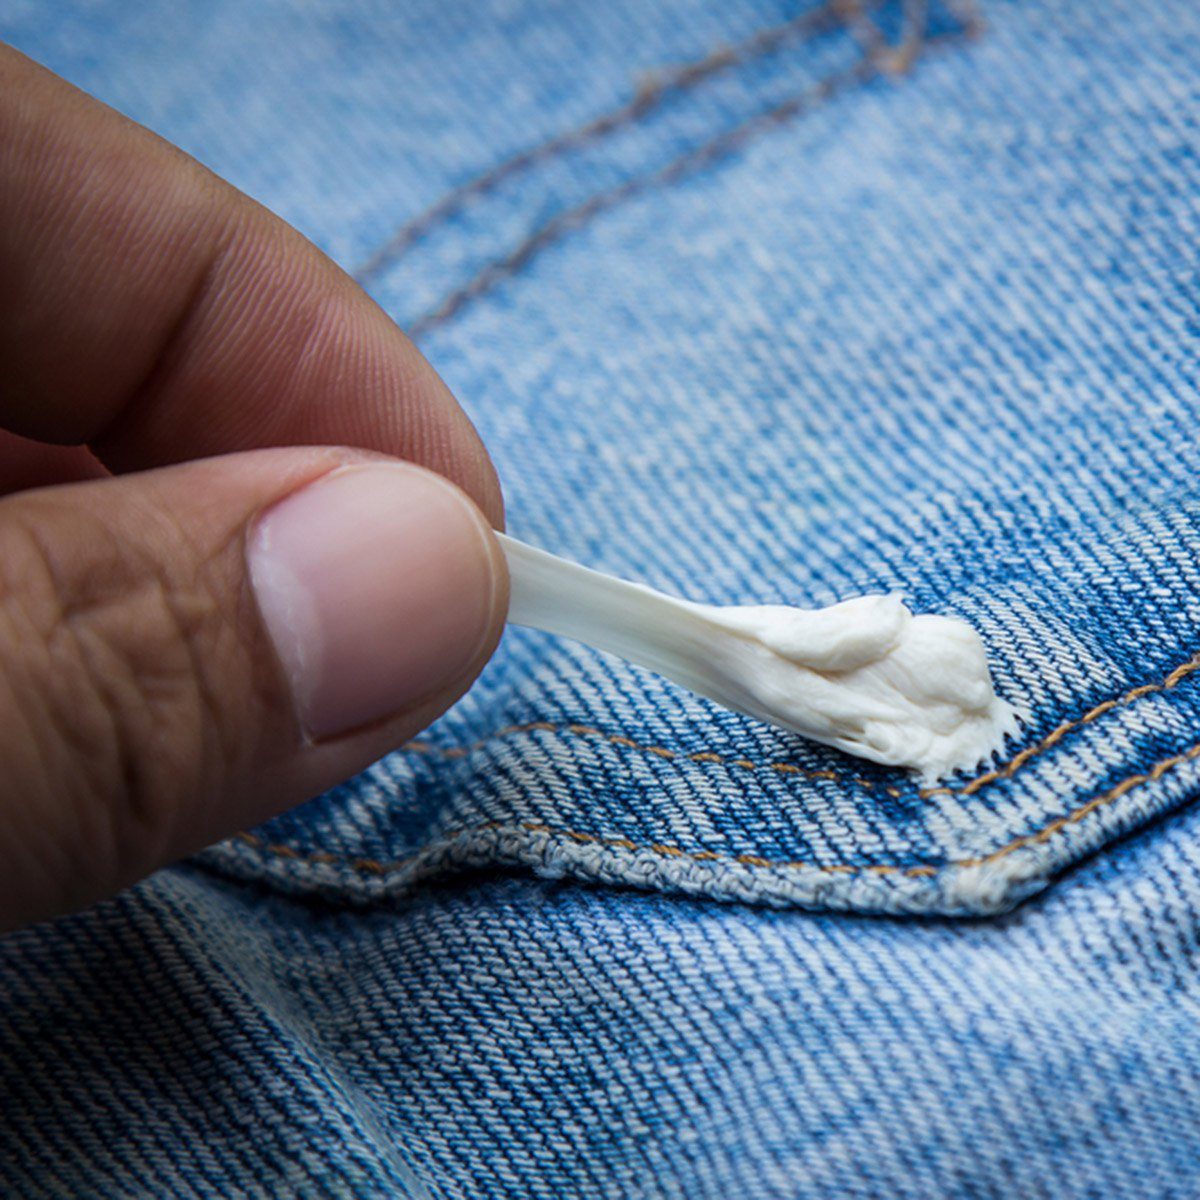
[(153, 312)]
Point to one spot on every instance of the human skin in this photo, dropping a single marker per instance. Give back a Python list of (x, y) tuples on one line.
[(245, 530)]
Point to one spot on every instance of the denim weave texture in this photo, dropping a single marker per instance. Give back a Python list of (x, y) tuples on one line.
[(758, 302)]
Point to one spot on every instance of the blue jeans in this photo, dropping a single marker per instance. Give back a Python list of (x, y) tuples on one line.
[(754, 302)]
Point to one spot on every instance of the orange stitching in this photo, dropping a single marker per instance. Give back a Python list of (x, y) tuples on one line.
[(572, 219), (1173, 679), (874, 62), (1180, 673), (969, 788), (716, 149), (618, 739), (1160, 768), (924, 870), (650, 95)]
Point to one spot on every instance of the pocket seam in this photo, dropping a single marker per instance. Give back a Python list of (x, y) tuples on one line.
[(376, 868), (875, 61), (682, 79), (1007, 771)]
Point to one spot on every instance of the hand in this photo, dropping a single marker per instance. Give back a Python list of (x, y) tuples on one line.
[(197, 631)]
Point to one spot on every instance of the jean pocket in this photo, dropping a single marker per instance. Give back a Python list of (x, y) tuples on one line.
[(929, 341), (615, 777)]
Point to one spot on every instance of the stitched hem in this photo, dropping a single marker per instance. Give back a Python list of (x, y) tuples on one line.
[(986, 884), (852, 18), (878, 59), (1003, 772), (651, 95), (376, 868), (989, 881)]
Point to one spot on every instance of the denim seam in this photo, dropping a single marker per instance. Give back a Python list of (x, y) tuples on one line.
[(871, 65), (1007, 771), (617, 739), (373, 867), (549, 233), (651, 93)]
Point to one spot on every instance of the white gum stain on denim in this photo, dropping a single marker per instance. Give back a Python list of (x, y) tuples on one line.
[(866, 676), (871, 678)]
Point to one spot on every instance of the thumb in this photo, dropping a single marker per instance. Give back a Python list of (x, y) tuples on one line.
[(188, 651)]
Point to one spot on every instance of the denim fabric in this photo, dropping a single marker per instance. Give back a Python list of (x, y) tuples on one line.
[(754, 302), (510, 1037)]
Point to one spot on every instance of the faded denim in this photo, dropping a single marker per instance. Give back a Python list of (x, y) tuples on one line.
[(754, 302)]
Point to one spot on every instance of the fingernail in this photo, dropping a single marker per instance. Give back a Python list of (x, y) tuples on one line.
[(377, 586)]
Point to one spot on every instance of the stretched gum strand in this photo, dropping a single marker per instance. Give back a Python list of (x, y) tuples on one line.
[(865, 675)]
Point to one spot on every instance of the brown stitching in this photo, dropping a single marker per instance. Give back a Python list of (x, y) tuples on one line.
[(617, 739), (651, 93), (1160, 768), (1180, 673), (693, 160), (1173, 679), (874, 45), (898, 59), (706, 154), (923, 870)]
